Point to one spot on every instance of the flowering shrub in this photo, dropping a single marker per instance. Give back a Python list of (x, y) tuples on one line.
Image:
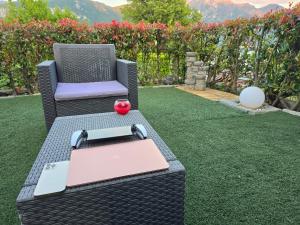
[(267, 46)]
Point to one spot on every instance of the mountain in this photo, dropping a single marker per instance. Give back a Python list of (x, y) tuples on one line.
[(220, 10), (212, 10), (270, 7), (118, 9), (88, 10)]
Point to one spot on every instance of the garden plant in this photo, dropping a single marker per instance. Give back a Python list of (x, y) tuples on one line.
[(268, 47)]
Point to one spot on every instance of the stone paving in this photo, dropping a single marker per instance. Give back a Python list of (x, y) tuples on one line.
[(236, 105), (211, 94)]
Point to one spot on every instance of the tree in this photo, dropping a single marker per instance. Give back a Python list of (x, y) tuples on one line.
[(27, 10), (163, 11)]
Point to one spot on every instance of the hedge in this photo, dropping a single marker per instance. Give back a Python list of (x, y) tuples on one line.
[(266, 49)]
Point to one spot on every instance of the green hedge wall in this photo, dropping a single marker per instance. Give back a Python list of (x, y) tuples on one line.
[(268, 47)]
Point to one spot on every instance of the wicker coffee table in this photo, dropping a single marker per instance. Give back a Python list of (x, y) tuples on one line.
[(153, 198)]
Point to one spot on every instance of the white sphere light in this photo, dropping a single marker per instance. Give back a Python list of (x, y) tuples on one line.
[(252, 97)]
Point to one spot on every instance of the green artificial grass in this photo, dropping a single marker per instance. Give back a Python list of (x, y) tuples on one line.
[(22, 132), (241, 169)]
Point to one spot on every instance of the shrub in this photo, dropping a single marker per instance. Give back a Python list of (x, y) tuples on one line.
[(267, 46)]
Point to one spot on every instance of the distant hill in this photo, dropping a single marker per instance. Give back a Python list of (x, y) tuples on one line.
[(212, 10), (220, 10), (118, 9), (91, 11), (270, 7)]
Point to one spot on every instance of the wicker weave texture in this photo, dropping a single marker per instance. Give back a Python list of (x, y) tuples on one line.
[(77, 63), (125, 73), (47, 83), (57, 144), (86, 106), (154, 198)]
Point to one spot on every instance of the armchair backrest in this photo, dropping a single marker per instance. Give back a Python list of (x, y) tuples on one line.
[(78, 63)]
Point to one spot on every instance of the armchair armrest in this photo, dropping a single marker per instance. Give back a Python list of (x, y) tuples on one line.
[(127, 75), (47, 77)]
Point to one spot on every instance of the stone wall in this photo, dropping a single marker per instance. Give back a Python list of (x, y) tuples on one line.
[(3, 12), (196, 72)]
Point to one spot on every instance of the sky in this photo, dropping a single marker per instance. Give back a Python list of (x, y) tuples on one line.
[(257, 3), (113, 2)]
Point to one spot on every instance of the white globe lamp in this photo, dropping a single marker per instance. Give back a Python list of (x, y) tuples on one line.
[(252, 97)]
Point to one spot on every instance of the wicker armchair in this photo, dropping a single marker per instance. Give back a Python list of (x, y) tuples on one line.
[(84, 79)]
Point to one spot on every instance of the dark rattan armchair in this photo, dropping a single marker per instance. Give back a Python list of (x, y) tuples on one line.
[(84, 79)]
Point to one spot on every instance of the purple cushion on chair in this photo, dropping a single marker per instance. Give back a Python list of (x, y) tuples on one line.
[(73, 91)]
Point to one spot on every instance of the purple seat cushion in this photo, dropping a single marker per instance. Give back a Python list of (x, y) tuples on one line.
[(73, 91)]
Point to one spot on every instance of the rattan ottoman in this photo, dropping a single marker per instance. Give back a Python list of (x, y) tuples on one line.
[(153, 198)]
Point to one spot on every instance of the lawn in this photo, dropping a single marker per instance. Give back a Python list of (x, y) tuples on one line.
[(241, 169)]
